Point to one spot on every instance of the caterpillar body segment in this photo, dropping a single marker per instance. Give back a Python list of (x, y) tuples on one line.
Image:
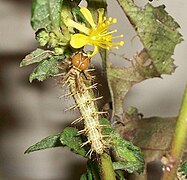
[(81, 89), (89, 113)]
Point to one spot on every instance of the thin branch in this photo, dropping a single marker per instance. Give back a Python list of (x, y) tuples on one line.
[(179, 141)]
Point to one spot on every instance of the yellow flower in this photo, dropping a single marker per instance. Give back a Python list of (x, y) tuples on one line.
[(96, 35)]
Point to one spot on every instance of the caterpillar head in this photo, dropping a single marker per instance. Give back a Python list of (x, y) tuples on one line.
[(81, 61)]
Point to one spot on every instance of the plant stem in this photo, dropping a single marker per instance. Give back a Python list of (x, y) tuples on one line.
[(106, 168), (179, 140)]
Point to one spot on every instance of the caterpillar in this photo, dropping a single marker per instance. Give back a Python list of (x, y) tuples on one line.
[(81, 87)]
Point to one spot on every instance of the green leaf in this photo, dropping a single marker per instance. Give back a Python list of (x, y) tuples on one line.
[(46, 14), (92, 166), (107, 129), (159, 34), (87, 175), (78, 15), (131, 157), (45, 69), (48, 142), (70, 139), (157, 31), (67, 138), (164, 17), (67, 14), (92, 171), (84, 176), (35, 57), (183, 168)]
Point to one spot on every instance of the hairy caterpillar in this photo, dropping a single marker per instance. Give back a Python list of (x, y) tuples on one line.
[(81, 89)]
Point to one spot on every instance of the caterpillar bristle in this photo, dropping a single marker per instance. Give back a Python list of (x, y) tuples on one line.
[(83, 131), (90, 70), (90, 153), (106, 136), (96, 99), (93, 86), (104, 126), (77, 120), (85, 143), (66, 95), (89, 76), (100, 112), (65, 84), (92, 100), (71, 108)]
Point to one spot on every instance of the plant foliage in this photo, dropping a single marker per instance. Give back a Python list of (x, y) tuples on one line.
[(159, 34)]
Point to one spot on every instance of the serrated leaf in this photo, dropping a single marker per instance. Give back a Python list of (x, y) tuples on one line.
[(70, 138), (157, 31), (35, 57), (46, 14), (67, 138), (45, 69), (153, 133), (121, 79), (131, 157), (164, 17), (159, 35), (48, 142)]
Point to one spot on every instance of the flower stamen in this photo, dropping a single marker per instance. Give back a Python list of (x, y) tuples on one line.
[(97, 35)]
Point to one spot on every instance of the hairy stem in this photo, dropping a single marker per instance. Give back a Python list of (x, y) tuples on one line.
[(179, 140)]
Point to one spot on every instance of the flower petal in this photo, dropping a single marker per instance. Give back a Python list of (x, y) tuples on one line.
[(88, 16), (79, 40)]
